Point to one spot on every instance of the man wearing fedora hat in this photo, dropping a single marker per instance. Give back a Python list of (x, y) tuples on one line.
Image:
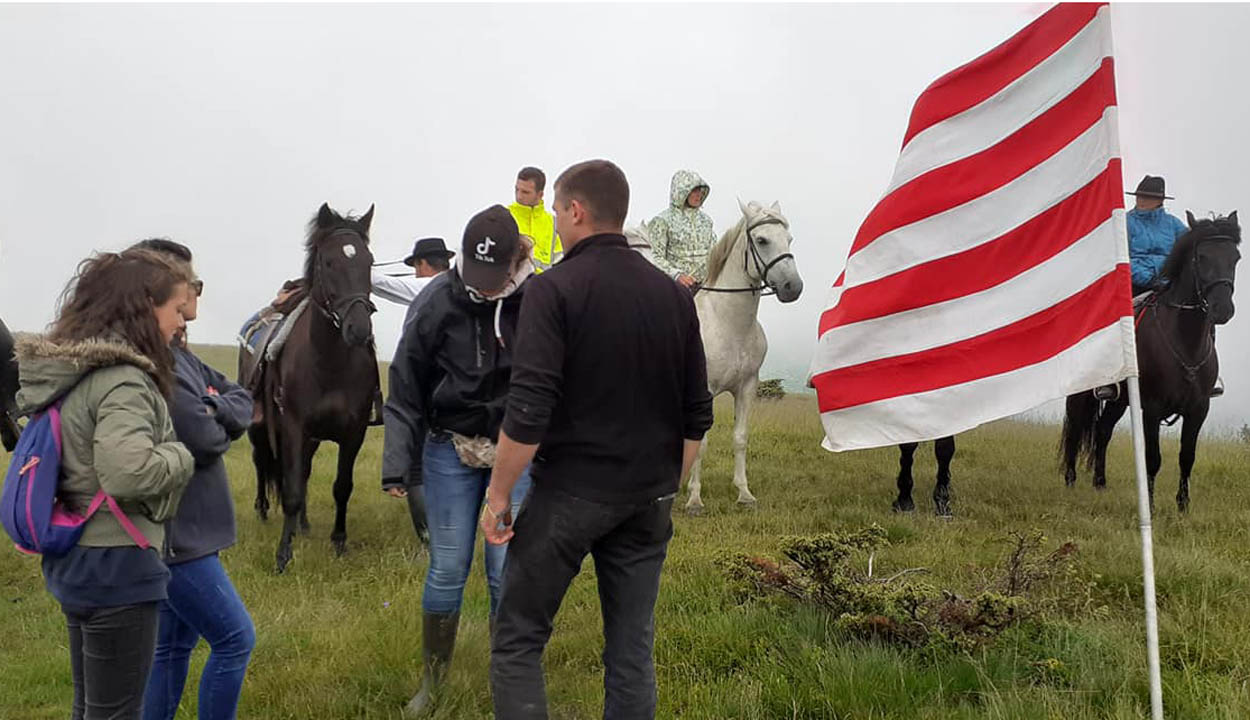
[(1152, 232), (429, 257)]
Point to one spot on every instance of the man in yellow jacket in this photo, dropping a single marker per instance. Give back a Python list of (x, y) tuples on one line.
[(533, 219)]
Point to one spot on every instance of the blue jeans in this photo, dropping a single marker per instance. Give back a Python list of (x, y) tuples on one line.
[(202, 603), (453, 504)]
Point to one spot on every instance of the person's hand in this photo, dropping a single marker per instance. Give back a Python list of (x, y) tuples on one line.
[(212, 391), (497, 519), (397, 492), (685, 280)]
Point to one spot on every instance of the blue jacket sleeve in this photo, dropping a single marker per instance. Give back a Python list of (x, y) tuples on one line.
[(232, 404), (194, 424)]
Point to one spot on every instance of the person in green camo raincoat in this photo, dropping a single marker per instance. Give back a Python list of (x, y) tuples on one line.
[(682, 235)]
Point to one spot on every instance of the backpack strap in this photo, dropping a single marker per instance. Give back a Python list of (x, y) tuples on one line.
[(134, 532)]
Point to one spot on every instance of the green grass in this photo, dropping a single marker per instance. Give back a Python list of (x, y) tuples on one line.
[(340, 638)]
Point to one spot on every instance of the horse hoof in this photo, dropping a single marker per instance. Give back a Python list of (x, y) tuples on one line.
[(1182, 505), (282, 563), (694, 510), (305, 528), (903, 506), (944, 512), (263, 514), (748, 504), (340, 548)]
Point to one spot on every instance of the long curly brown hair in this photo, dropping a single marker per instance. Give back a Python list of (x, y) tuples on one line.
[(114, 294)]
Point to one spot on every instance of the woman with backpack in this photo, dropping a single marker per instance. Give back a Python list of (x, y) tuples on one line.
[(209, 412), (106, 361)]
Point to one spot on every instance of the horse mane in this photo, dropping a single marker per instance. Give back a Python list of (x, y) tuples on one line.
[(719, 256), (1183, 250), (318, 235)]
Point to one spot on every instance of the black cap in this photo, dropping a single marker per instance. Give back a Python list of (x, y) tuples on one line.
[(489, 248), (428, 247), (1151, 186)]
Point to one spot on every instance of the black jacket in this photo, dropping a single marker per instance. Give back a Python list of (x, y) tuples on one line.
[(610, 375), (206, 424), (450, 373)]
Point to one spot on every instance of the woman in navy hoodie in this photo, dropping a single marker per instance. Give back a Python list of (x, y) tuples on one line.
[(208, 412)]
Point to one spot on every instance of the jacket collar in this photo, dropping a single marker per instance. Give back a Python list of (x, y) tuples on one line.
[(602, 240)]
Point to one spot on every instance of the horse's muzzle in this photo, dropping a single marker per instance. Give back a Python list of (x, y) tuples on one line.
[(790, 290)]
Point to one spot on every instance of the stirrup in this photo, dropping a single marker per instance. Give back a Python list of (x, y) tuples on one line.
[(1107, 393), (1218, 390)]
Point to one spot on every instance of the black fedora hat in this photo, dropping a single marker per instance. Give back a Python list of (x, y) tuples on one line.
[(428, 247), (1151, 186)]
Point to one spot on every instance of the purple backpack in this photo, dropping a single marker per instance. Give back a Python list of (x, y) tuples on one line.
[(32, 514)]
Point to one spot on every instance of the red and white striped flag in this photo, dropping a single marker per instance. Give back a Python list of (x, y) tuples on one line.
[(993, 275)]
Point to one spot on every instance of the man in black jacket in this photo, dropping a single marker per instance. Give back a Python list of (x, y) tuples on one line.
[(609, 399)]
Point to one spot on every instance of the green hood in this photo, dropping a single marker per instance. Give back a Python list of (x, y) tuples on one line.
[(684, 182), (48, 370)]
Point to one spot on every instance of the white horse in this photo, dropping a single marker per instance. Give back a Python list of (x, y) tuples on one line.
[(752, 258)]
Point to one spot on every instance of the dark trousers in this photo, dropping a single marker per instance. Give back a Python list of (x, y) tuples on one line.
[(110, 652), (554, 532)]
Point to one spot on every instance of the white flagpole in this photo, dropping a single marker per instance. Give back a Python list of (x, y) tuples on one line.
[(1147, 550)]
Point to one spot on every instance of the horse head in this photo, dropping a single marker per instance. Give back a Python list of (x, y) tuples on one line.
[(639, 239), (768, 258), (1203, 265), (337, 270)]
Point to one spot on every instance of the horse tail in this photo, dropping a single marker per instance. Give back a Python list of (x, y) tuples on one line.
[(1080, 426)]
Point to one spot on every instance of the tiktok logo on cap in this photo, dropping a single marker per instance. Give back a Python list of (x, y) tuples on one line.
[(483, 248)]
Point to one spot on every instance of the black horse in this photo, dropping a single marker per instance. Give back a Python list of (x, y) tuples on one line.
[(8, 390), (1176, 356), (944, 450), (321, 387)]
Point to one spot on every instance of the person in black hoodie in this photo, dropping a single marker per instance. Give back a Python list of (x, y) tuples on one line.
[(208, 413), (449, 384)]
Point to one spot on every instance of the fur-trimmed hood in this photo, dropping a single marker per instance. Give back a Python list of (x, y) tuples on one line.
[(47, 370)]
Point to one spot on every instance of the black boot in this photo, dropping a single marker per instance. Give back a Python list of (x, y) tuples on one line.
[(416, 509), (439, 637)]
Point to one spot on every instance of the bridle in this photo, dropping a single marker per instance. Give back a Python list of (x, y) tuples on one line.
[(335, 309), (1202, 290), (753, 255)]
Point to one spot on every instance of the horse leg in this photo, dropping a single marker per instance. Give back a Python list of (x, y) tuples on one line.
[(1111, 414), (262, 458), (906, 454), (1189, 447), (742, 411), (1154, 460), (297, 463), (694, 506), (343, 490), (944, 450), (1075, 420)]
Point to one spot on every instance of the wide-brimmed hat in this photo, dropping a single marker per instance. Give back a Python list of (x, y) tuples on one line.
[(428, 247), (1151, 186), (489, 248)]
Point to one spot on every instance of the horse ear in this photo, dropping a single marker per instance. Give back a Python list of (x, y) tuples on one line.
[(367, 219), (326, 216), (776, 206), (1190, 217), (742, 206), (1233, 218)]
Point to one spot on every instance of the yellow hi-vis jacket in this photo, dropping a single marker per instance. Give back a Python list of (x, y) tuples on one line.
[(541, 226)]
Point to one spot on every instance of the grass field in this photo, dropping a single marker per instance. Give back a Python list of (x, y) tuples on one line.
[(340, 638)]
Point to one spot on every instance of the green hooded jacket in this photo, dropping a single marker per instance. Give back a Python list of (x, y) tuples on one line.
[(682, 236), (116, 432)]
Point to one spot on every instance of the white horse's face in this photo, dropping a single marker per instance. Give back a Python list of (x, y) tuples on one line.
[(769, 260)]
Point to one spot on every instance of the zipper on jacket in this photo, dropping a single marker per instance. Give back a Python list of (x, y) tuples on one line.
[(477, 339)]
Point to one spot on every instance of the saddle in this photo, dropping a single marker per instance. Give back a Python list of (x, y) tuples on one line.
[(262, 337)]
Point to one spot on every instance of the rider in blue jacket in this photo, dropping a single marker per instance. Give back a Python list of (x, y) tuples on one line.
[(1152, 231)]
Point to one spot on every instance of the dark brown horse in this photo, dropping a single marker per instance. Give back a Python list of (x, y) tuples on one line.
[(1176, 356), (944, 450), (321, 386), (8, 390)]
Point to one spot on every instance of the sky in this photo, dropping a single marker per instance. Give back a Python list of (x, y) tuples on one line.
[(226, 126)]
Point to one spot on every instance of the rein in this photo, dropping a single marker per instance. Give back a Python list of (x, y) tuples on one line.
[(764, 289), (1201, 290)]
